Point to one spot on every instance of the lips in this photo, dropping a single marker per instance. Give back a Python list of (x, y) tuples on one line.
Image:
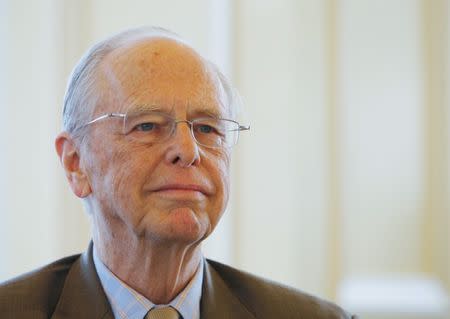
[(183, 188)]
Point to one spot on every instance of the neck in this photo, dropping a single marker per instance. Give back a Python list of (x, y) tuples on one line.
[(158, 271)]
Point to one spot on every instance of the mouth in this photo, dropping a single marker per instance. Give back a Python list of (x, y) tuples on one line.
[(182, 190)]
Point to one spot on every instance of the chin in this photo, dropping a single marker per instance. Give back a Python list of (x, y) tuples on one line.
[(177, 238), (182, 225)]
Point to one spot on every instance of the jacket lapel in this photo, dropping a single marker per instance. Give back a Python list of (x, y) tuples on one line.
[(82, 295), (218, 301)]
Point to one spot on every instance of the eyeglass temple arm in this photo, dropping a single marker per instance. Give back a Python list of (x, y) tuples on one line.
[(104, 116)]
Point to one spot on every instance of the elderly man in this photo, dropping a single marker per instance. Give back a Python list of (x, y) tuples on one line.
[(148, 130)]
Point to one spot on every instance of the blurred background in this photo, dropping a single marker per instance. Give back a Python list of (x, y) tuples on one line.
[(341, 188)]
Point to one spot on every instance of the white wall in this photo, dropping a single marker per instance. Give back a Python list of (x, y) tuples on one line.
[(382, 129), (282, 201), (339, 95), (29, 99)]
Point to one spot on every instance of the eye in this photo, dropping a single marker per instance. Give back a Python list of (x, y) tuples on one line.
[(145, 127), (203, 128)]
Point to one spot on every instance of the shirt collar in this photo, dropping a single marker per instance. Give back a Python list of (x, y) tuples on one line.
[(127, 303)]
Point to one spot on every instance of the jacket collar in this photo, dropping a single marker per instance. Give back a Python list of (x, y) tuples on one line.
[(82, 295), (218, 301)]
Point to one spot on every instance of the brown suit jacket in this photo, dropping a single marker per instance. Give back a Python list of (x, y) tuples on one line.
[(70, 288)]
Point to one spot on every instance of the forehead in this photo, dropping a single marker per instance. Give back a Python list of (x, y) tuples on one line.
[(160, 72)]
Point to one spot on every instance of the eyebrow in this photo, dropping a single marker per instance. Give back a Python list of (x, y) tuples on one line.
[(141, 108), (204, 112), (196, 112)]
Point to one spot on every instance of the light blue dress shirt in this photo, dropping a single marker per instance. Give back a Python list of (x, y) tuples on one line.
[(126, 303)]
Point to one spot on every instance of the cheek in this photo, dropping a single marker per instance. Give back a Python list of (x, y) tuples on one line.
[(114, 173), (220, 165), (220, 200), (224, 174)]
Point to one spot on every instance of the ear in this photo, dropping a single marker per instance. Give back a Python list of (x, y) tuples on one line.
[(70, 160)]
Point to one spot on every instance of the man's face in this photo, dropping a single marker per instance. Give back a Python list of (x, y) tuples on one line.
[(174, 191)]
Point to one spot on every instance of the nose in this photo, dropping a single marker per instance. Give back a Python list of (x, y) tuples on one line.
[(183, 150)]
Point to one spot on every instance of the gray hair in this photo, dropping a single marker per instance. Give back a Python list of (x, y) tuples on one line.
[(81, 95)]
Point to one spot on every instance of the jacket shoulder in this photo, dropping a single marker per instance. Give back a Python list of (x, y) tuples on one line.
[(35, 293), (268, 299)]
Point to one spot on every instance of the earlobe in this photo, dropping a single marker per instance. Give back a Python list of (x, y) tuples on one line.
[(70, 160)]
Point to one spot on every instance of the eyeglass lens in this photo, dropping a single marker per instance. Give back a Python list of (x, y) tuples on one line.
[(154, 127)]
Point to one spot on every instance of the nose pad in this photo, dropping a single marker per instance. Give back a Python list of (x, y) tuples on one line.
[(190, 128), (183, 150)]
